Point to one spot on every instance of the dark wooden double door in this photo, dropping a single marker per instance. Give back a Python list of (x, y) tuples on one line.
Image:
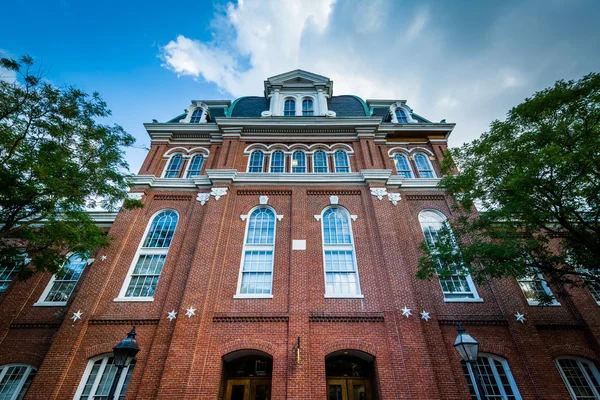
[(346, 388), (248, 389)]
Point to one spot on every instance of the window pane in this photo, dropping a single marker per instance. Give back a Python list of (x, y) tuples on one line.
[(576, 378), (423, 166), (289, 108), (341, 161), (534, 286), (256, 273), (65, 282), (196, 116), (144, 278), (195, 166), (6, 276), (307, 107), (495, 377), (174, 166), (336, 227), (299, 162), (103, 373), (256, 161), (277, 161), (261, 227), (402, 166), (320, 162), (162, 229), (401, 116)]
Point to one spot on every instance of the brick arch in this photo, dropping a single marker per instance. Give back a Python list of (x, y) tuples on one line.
[(495, 349), (100, 348), (249, 344), (35, 360), (561, 350), (349, 344)]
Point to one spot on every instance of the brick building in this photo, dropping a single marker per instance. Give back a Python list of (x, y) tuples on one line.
[(275, 258)]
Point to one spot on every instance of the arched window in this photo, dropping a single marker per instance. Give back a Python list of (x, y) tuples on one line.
[(320, 162), (457, 287), (401, 116), (99, 376), (256, 274), (196, 116), (307, 108), (277, 161), (15, 379), (534, 287), (424, 166), (144, 273), (256, 161), (174, 166), (195, 166), (495, 375), (61, 285), (289, 108), (299, 162), (340, 159), (341, 274), (402, 165), (581, 377)]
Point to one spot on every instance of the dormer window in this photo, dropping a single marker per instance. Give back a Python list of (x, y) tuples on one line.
[(307, 108), (289, 108), (196, 116), (401, 116)]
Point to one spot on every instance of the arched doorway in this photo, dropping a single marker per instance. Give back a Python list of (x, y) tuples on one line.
[(350, 375), (247, 375)]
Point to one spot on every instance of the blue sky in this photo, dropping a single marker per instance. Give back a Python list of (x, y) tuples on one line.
[(464, 61)]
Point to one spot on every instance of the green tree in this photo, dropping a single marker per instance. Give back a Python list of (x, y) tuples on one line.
[(56, 161), (535, 178)]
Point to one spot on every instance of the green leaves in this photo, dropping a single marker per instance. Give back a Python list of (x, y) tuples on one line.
[(55, 161)]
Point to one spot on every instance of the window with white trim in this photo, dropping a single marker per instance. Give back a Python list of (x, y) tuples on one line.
[(143, 276), (341, 162), (402, 165), (594, 289), (196, 116), (298, 162), (195, 166), (320, 162), (99, 376), (424, 166), (494, 373), (401, 116), (341, 273), (456, 287), (257, 159), (580, 376), (7, 274), (15, 379), (307, 108), (62, 283), (534, 287), (256, 272), (289, 108), (277, 162), (174, 166)]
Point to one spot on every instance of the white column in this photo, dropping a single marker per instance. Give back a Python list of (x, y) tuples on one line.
[(274, 102), (322, 102), (299, 106)]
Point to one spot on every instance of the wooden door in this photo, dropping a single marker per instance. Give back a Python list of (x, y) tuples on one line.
[(238, 389), (348, 389)]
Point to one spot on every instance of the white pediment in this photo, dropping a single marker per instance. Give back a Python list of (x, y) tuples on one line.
[(298, 80)]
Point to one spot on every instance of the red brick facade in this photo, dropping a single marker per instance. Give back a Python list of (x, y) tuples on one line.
[(183, 358)]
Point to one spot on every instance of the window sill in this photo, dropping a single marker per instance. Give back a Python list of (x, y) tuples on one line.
[(340, 296), (534, 303), (465, 300), (50, 304), (133, 299), (253, 296)]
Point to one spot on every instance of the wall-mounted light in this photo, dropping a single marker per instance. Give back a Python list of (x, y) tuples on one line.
[(298, 351)]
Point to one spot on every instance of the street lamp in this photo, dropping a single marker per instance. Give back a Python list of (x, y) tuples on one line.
[(468, 348), (123, 354)]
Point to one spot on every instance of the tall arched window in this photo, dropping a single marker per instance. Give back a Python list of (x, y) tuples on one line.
[(307, 108), (174, 166), (402, 165), (457, 287), (424, 166), (256, 272), (580, 376), (320, 162), (340, 159), (277, 161), (99, 376), (299, 162), (61, 285), (341, 274), (195, 166), (401, 116), (196, 116), (15, 379), (144, 273), (256, 162), (495, 375), (289, 108)]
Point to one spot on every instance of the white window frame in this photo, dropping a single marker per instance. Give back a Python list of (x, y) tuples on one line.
[(467, 277), (256, 247), (10, 274), (147, 251), (594, 291), (262, 167), (312, 109), (407, 158), (305, 162), (580, 361), (94, 388), (428, 163), (545, 287), (43, 303), (347, 160), (271, 161), (295, 107), (497, 378), (326, 161), (340, 247), (199, 116), (189, 163), (164, 174), (4, 368)]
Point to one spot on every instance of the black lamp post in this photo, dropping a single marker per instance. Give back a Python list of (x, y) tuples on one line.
[(468, 348), (123, 354)]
